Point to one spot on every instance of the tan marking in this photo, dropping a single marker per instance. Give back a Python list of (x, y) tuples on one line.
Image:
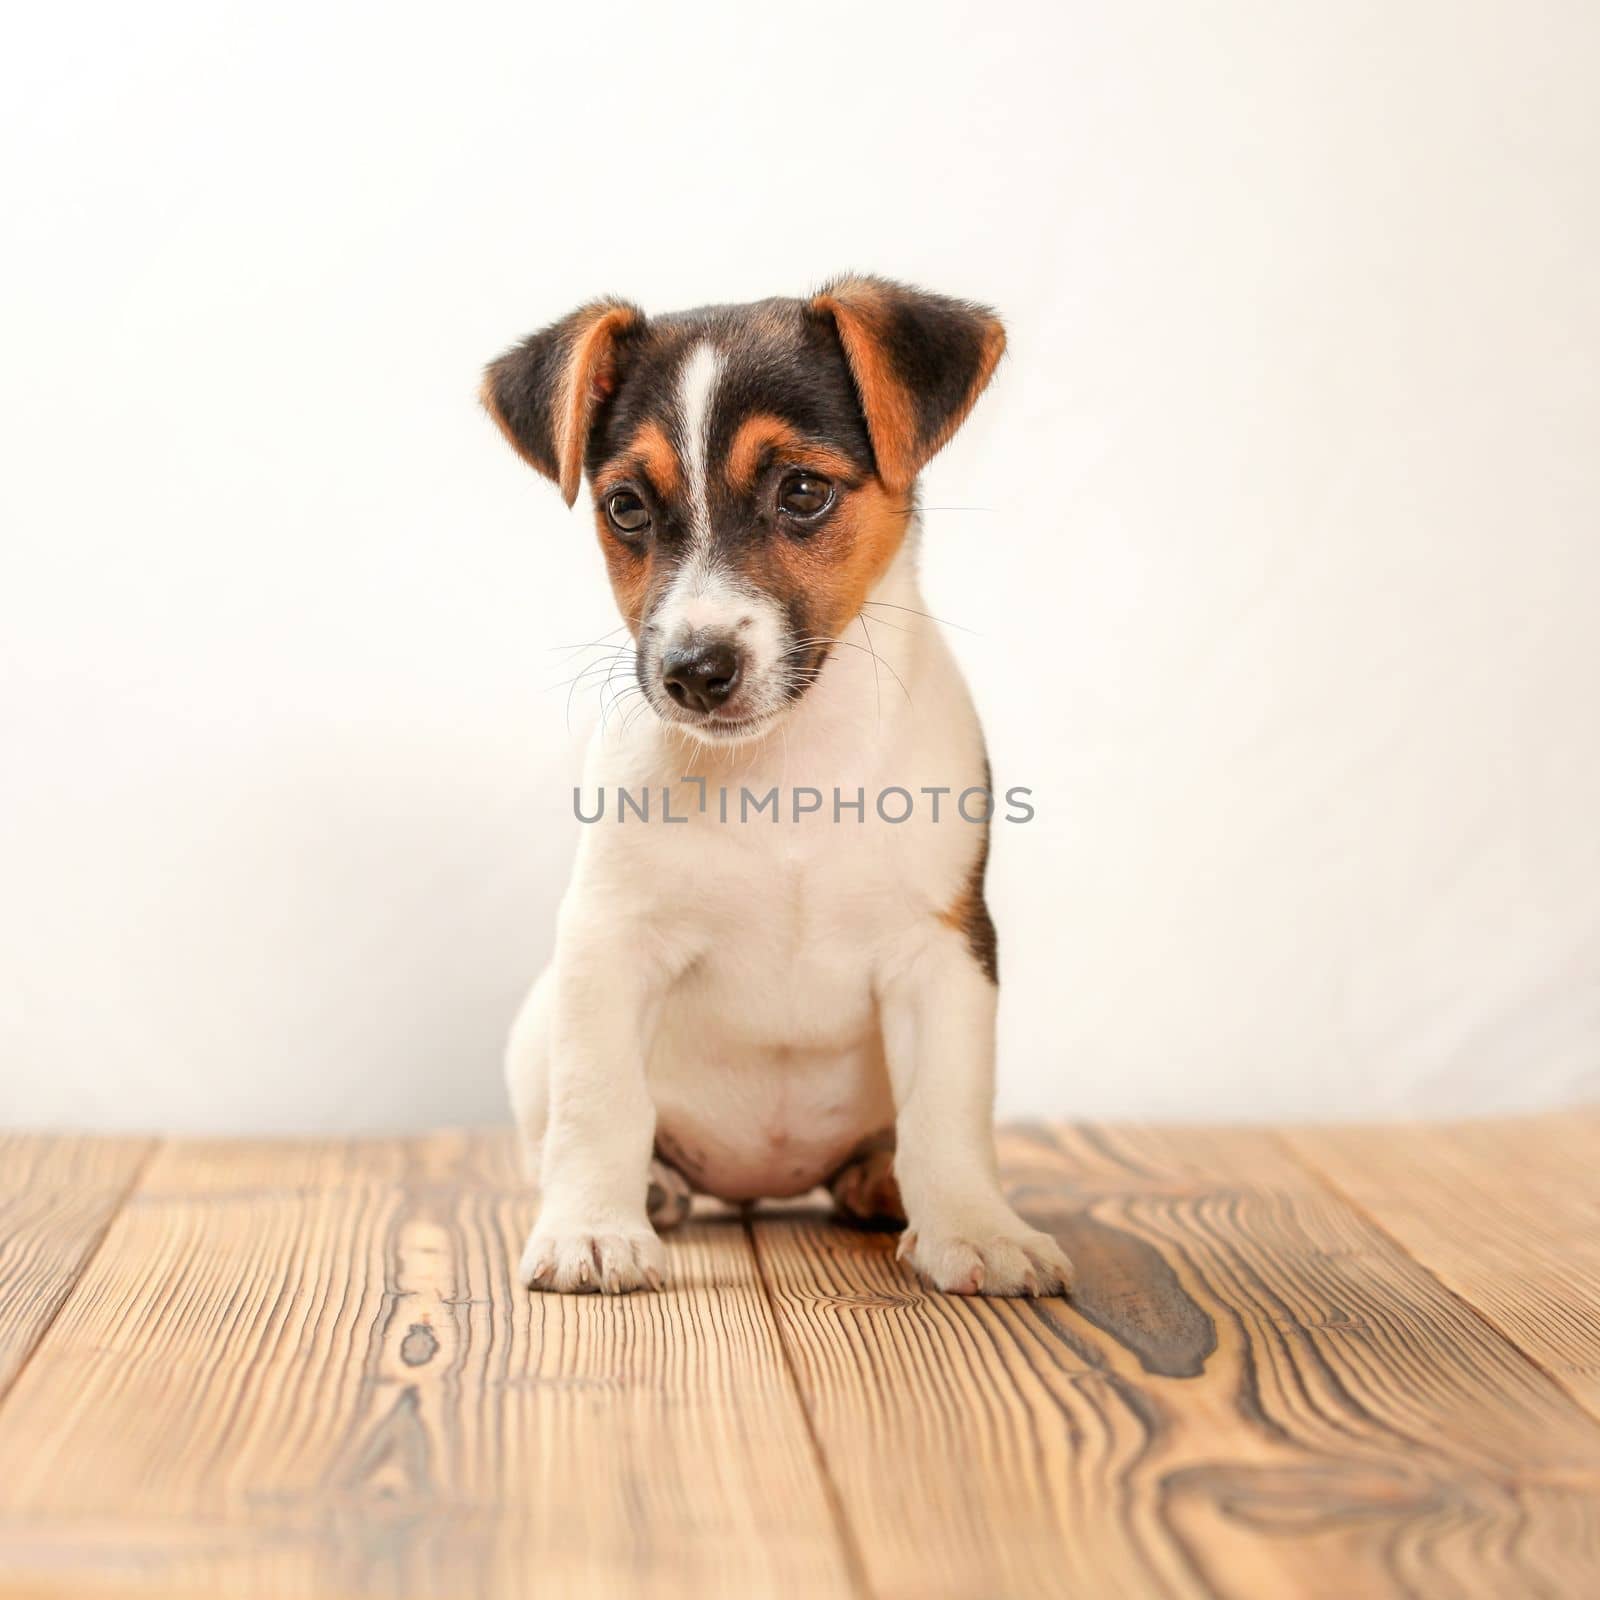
[(968, 913), (958, 914), (589, 374), (763, 436), (860, 309), (653, 451), (836, 568), (628, 570)]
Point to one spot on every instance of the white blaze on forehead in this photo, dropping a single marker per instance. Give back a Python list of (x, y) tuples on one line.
[(703, 596), (697, 388)]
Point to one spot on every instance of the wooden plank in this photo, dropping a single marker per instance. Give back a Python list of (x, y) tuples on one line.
[(1507, 1213), (308, 1369), (1255, 1393), (57, 1197)]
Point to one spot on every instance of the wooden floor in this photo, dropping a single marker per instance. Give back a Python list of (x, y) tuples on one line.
[(1349, 1363)]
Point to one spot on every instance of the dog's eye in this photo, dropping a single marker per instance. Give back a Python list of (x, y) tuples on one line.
[(628, 513), (804, 496)]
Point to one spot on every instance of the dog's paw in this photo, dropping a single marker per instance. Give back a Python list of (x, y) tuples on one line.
[(599, 1260), (1003, 1256), (669, 1198), (864, 1189)]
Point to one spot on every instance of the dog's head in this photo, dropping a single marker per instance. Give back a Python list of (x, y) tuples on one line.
[(752, 470)]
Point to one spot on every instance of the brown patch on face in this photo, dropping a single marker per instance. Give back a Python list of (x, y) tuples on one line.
[(653, 453), (650, 454), (627, 568), (834, 570), (762, 437)]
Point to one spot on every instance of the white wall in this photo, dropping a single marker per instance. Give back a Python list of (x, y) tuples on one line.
[(1279, 532)]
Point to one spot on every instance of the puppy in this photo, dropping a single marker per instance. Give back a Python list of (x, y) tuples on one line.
[(752, 1000)]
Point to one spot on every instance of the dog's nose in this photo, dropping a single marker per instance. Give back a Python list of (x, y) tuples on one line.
[(700, 676)]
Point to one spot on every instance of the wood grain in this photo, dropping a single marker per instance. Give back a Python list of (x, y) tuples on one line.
[(1507, 1213), (1342, 1363), (306, 1369), (1256, 1393), (57, 1197)]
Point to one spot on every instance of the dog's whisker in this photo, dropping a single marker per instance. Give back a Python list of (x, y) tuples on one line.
[(591, 643), (943, 622), (609, 666), (850, 644), (643, 704), (899, 627), (578, 677), (877, 682), (608, 652), (619, 696), (804, 646)]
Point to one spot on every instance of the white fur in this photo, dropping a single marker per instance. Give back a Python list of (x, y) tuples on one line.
[(697, 393), (762, 995), (704, 597)]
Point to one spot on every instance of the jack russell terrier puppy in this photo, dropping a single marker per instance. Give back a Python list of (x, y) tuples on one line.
[(743, 1005)]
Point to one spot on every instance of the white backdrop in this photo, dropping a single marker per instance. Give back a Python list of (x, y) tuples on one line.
[(1278, 533)]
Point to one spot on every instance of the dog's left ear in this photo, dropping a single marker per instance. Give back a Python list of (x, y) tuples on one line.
[(919, 361), (545, 391)]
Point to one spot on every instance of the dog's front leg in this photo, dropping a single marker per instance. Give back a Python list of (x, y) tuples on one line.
[(938, 1013), (593, 1232)]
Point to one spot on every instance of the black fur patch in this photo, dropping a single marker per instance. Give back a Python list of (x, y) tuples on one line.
[(935, 347), (976, 925)]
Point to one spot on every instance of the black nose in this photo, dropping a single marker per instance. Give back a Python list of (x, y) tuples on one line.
[(701, 676)]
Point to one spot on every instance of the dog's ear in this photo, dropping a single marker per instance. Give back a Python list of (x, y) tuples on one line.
[(919, 361), (544, 391)]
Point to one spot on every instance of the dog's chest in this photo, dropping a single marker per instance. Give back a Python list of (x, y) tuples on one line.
[(789, 913), (768, 1067)]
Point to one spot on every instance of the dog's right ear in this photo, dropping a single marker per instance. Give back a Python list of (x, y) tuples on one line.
[(544, 392)]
